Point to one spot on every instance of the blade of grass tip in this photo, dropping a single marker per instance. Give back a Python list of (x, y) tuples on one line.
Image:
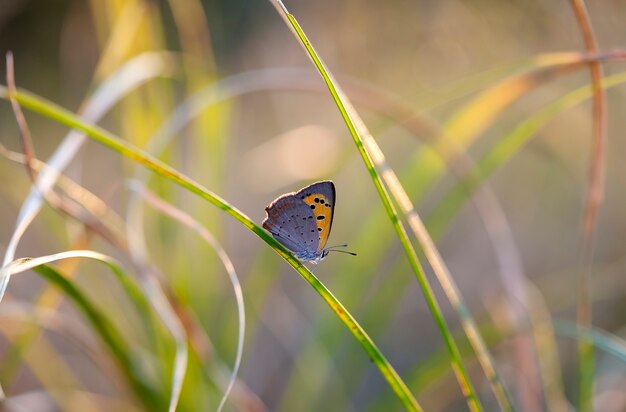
[(134, 73), (375, 156), (593, 201), (101, 324), (193, 224), (49, 109)]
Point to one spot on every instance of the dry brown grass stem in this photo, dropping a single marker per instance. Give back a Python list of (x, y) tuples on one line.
[(593, 201)]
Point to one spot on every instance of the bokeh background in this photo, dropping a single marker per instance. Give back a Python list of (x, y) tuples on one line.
[(276, 130)]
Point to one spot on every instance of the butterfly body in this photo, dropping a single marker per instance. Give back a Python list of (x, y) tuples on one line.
[(301, 221)]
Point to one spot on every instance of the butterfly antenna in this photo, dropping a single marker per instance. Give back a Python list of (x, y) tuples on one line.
[(333, 249), (342, 251)]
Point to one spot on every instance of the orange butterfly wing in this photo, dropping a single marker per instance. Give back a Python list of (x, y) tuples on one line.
[(322, 205)]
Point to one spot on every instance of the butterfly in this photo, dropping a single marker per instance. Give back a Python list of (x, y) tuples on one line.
[(301, 221)]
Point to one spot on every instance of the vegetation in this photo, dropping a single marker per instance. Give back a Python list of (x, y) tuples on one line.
[(485, 212)]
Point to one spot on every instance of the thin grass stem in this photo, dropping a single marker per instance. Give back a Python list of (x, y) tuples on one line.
[(593, 201), (372, 155)]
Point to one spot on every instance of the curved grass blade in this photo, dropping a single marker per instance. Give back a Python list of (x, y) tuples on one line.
[(450, 204), (507, 146), (473, 118), (135, 72), (372, 157), (139, 299), (103, 99), (100, 323), (48, 109), (193, 224)]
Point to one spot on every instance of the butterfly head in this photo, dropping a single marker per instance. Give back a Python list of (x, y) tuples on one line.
[(317, 257)]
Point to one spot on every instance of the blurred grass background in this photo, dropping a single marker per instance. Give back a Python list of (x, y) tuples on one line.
[(279, 131)]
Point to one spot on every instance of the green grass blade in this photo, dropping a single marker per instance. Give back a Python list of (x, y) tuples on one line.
[(357, 129), (105, 329), (53, 111), (167, 316), (138, 297), (504, 150), (464, 127), (187, 220), (593, 202), (109, 335)]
